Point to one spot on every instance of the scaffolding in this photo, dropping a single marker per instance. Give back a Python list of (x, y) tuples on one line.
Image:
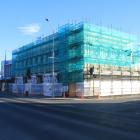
[(114, 55)]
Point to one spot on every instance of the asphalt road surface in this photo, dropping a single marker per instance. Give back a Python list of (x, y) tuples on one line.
[(69, 119)]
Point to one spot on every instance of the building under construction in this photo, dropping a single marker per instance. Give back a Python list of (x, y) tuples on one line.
[(91, 60)]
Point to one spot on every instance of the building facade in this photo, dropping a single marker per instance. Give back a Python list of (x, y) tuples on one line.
[(90, 59), (6, 69)]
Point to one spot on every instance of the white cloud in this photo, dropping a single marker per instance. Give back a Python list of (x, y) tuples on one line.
[(29, 29)]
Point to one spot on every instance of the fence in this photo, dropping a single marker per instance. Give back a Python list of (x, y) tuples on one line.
[(46, 89), (107, 88)]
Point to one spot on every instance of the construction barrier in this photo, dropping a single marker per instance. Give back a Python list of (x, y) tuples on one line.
[(36, 89), (18, 89), (46, 89), (55, 89)]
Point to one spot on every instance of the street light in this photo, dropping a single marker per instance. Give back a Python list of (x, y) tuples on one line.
[(53, 55), (131, 55)]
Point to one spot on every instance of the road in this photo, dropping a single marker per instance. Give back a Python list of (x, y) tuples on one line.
[(68, 119)]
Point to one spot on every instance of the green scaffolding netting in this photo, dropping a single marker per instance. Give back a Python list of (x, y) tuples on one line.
[(75, 46)]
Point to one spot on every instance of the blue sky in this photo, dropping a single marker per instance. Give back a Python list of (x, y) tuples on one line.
[(22, 21)]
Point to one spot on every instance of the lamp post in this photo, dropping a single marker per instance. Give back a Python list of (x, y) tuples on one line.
[(53, 55), (131, 55)]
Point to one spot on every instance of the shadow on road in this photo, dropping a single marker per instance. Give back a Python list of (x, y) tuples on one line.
[(73, 115)]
